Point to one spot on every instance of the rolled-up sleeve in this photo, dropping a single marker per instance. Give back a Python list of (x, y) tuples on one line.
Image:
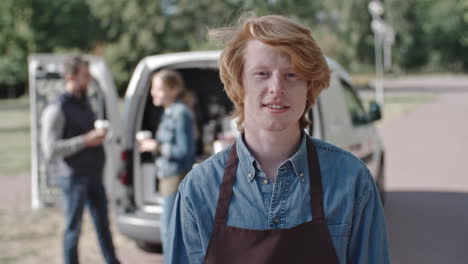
[(53, 146), (368, 242)]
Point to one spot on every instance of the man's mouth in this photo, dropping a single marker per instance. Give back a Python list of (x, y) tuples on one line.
[(275, 106)]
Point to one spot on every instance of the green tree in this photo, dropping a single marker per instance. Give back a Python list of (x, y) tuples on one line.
[(431, 34), (135, 29), (412, 47), (63, 24), (448, 36), (15, 41), (40, 26)]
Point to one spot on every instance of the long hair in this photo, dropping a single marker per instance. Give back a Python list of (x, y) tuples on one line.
[(174, 80)]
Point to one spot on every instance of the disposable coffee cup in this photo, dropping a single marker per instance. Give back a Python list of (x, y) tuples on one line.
[(142, 135), (101, 124)]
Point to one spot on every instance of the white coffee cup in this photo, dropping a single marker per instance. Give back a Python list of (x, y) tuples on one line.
[(101, 124), (142, 135)]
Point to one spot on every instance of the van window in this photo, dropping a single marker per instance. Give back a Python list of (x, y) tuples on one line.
[(354, 105)]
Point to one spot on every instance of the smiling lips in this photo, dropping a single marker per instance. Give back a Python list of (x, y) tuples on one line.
[(276, 108)]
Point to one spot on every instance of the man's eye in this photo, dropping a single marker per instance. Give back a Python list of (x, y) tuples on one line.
[(262, 73)]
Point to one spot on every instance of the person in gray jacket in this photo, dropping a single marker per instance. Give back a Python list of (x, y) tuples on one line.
[(70, 141)]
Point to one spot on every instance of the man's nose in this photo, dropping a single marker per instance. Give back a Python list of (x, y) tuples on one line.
[(276, 86)]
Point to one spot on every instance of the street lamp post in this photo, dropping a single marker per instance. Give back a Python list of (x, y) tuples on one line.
[(378, 28), (388, 42)]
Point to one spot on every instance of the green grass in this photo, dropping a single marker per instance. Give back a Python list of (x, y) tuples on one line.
[(15, 150)]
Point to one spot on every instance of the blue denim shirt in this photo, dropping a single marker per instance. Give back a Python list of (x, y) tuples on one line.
[(352, 205), (176, 136)]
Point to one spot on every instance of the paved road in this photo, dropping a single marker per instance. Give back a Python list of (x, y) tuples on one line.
[(427, 206), (425, 83)]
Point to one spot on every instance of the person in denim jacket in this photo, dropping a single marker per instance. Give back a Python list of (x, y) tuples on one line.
[(276, 195), (174, 143)]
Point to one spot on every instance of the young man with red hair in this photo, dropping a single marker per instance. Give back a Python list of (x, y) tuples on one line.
[(276, 195)]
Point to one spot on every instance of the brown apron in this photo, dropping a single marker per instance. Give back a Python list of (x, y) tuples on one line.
[(309, 242)]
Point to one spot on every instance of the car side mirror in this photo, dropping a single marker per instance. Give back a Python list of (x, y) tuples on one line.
[(374, 111)]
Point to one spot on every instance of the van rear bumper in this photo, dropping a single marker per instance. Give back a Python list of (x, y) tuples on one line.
[(145, 228)]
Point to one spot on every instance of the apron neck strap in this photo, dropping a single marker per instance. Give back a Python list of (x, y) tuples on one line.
[(225, 192), (316, 192)]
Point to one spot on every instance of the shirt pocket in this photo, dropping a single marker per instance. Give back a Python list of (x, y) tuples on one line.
[(340, 236)]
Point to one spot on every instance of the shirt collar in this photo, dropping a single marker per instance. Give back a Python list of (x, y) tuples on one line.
[(247, 161), (171, 108), (299, 160)]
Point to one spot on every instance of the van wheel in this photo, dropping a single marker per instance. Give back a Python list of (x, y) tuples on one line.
[(149, 247), (381, 181)]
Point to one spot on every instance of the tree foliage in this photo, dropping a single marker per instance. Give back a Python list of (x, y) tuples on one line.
[(15, 41), (431, 34), (40, 26), (62, 24), (148, 27)]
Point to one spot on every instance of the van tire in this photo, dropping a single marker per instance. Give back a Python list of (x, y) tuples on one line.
[(149, 247)]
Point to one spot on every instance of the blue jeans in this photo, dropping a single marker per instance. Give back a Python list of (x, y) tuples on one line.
[(166, 216), (78, 191)]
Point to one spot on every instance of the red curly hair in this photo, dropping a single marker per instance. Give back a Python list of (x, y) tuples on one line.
[(280, 33)]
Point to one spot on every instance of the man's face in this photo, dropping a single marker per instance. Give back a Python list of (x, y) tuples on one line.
[(274, 94), (81, 79)]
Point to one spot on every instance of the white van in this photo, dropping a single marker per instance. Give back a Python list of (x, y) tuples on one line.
[(338, 117), (46, 82)]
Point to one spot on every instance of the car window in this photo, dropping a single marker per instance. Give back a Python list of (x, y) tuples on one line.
[(354, 105)]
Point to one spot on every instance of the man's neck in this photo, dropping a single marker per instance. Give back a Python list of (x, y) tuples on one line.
[(272, 148)]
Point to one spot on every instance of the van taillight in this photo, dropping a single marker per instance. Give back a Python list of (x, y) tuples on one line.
[(123, 177), (124, 156), (125, 174)]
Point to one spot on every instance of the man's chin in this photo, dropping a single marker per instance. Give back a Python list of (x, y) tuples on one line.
[(274, 126)]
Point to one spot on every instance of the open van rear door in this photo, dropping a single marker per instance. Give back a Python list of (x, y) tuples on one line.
[(46, 82)]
